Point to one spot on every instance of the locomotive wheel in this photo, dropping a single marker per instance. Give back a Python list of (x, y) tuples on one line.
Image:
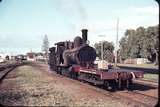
[(59, 71), (81, 78), (131, 85), (123, 84), (73, 75), (106, 85), (110, 85)]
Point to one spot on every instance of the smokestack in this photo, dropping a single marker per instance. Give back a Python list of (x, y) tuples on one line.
[(84, 35)]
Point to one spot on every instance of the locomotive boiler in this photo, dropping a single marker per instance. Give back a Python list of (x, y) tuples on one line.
[(82, 54)]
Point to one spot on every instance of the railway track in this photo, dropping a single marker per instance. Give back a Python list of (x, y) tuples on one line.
[(147, 82), (4, 73), (5, 69), (138, 98), (152, 81), (135, 97), (127, 96)]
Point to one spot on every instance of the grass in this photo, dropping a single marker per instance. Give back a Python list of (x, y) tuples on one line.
[(147, 76), (151, 77), (33, 88), (139, 65), (7, 62)]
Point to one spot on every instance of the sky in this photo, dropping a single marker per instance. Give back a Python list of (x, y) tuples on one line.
[(23, 23)]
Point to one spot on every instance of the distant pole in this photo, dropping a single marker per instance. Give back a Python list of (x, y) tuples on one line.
[(116, 50), (102, 46), (102, 50)]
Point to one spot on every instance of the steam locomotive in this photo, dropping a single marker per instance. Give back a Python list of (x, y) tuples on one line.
[(76, 60)]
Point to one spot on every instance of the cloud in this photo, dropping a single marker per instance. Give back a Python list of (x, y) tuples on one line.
[(2, 36), (73, 10), (152, 10), (108, 27), (132, 17), (145, 10)]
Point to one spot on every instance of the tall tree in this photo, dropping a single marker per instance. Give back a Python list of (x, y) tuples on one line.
[(131, 47), (45, 45), (108, 48), (140, 43), (124, 48), (151, 44)]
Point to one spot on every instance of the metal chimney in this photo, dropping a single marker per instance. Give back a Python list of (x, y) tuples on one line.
[(84, 35)]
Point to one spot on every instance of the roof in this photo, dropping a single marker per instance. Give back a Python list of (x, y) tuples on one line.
[(62, 43)]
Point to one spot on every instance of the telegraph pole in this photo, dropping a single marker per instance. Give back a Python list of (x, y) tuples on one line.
[(102, 46), (102, 50), (116, 50)]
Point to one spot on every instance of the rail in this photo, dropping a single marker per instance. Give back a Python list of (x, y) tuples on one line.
[(5, 69)]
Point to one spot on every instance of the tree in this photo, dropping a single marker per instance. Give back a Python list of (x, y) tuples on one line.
[(151, 44), (140, 43), (140, 38), (128, 45), (45, 45), (108, 48), (124, 48)]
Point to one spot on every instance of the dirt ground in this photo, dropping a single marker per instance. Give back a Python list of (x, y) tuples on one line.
[(34, 86)]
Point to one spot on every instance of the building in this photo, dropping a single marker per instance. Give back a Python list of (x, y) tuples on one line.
[(31, 56), (40, 57), (4, 56), (136, 61)]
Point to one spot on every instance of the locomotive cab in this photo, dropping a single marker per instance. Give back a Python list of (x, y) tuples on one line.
[(75, 53)]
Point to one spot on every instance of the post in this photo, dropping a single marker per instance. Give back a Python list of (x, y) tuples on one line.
[(116, 44), (102, 50), (102, 46)]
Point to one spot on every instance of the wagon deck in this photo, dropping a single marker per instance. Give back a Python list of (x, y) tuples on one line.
[(113, 73)]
